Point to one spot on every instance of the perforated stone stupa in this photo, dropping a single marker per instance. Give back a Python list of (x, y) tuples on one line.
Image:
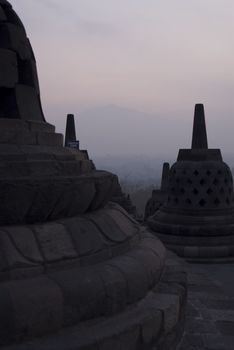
[(197, 219), (76, 271)]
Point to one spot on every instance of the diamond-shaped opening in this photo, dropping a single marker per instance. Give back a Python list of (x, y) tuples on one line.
[(208, 173), (189, 181), (230, 190), (209, 191), (176, 200), (177, 180), (227, 201), (196, 172), (219, 172), (169, 199), (217, 201), (184, 172), (202, 202), (225, 180), (174, 171), (173, 189), (188, 201), (216, 182), (202, 182), (182, 190), (195, 191)]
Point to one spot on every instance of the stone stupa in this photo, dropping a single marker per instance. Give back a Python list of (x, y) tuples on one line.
[(197, 219), (159, 196), (76, 271)]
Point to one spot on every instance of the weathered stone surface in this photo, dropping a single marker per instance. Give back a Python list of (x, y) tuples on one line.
[(122, 219), (8, 62), (52, 199), (115, 288), (138, 327), (109, 227), (170, 306), (12, 124), (7, 322), (37, 306), (13, 37), (14, 137), (24, 239), (28, 103), (2, 15), (55, 242), (14, 258), (86, 237), (152, 270), (28, 73), (83, 294), (49, 139), (135, 274), (104, 188)]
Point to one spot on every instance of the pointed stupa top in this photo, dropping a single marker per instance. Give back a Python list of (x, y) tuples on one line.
[(70, 129), (165, 176), (199, 150), (199, 140)]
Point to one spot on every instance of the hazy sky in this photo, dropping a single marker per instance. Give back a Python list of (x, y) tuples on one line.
[(159, 57)]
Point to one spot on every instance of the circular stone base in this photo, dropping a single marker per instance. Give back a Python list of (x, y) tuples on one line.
[(156, 321), (202, 239)]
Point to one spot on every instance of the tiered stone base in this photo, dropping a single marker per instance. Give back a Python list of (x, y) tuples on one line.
[(56, 277), (204, 239), (155, 322)]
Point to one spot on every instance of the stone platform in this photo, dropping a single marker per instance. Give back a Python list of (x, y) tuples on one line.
[(210, 312)]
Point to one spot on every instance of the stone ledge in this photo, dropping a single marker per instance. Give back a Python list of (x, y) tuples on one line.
[(52, 197), (156, 322), (81, 294)]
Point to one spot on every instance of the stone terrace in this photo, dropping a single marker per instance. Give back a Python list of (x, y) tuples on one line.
[(210, 309)]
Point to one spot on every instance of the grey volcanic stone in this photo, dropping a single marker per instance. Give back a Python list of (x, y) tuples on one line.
[(37, 306), (2, 15), (25, 241), (8, 61), (13, 38), (86, 237), (28, 103), (55, 242)]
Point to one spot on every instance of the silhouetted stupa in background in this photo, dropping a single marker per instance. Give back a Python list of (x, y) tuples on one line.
[(76, 271), (159, 196), (197, 219)]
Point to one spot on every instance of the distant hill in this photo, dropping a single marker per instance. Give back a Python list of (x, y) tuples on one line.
[(112, 130)]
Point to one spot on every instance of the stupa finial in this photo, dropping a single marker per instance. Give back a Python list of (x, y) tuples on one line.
[(70, 138), (165, 176), (199, 140)]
